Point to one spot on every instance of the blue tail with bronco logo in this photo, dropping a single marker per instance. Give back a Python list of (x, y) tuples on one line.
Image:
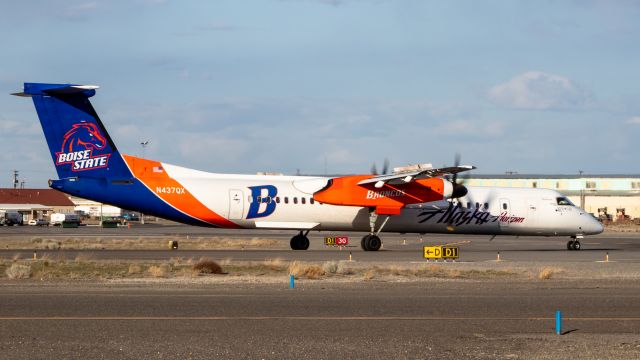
[(86, 159), (78, 142)]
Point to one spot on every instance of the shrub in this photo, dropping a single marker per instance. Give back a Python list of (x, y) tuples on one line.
[(134, 269), (330, 267), (207, 266), (18, 271), (310, 271)]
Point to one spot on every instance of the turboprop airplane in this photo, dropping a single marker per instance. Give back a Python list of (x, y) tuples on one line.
[(413, 199)]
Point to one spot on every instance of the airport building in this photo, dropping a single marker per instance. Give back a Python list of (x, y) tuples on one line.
[(35, 203), (610, 197), (41, 203), (94, 209)]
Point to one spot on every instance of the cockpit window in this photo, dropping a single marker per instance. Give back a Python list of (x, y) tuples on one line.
[(564, 201)]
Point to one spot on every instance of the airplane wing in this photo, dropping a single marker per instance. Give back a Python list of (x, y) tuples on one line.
[(406, 177)]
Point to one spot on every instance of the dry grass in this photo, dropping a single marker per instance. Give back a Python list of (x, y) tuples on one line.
[(330, 267), (369, 274), (159, 271), (547, 273), (310, 271), (276, 264), (134, 269), (207, 266), (18, 271), (82, 257)]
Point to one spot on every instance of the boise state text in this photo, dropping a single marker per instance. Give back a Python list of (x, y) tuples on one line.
[(82, 160)]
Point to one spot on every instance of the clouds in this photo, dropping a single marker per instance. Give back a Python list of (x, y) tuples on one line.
[(535, 90), (634, 120)]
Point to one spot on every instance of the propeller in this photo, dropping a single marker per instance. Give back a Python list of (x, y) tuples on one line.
[(385, 168), (459, 190)]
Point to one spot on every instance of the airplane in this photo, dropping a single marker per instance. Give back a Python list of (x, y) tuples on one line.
[(412, 199)]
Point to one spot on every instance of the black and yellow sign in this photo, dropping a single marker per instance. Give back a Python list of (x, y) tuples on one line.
[(440, 252)]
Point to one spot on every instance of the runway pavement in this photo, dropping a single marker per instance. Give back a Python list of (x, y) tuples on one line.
[(441, 319), (434, 318), (623, 247)]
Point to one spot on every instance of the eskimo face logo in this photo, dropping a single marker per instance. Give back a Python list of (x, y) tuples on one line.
[(78, 145)]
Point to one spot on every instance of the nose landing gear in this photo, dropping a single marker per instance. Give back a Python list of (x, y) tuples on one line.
[(574, 243)]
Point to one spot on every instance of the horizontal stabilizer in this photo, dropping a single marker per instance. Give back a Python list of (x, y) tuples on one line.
[(31, 89)]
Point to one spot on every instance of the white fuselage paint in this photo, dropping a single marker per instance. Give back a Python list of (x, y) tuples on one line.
[(527, 212)]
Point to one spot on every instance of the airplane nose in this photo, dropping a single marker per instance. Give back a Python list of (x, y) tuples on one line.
[(592, 226)]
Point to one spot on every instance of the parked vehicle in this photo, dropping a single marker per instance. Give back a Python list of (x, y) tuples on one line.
[(130, 217), (10, 218), (38, 222), (59, 218)]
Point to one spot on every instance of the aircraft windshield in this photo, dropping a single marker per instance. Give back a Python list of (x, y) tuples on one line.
[(564, 201)]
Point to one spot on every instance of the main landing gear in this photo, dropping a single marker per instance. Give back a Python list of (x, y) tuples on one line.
[(573, 244), (372, 241), (300, 241)]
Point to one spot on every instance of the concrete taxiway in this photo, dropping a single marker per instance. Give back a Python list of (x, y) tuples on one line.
[(441, 319), (489, 318)]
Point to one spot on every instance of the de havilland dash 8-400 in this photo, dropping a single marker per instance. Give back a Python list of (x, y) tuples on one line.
[(413, 199)]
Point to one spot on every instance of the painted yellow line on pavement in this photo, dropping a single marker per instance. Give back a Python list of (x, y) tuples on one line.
[(362, 318)]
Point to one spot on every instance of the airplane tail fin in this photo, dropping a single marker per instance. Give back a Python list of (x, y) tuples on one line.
[(78, 142)]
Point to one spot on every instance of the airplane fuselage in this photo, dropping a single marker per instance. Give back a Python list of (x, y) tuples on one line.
[(287, 202)]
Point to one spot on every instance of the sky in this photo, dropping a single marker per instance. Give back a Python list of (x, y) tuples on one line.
[(333, 86)]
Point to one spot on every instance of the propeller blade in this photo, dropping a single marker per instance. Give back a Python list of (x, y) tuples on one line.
[(385, 166), (374, 169)]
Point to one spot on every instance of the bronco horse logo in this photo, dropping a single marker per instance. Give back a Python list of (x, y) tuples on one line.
[(83, 134), (78, 145)]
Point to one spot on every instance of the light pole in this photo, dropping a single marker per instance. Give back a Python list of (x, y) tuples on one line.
[(144, 155)]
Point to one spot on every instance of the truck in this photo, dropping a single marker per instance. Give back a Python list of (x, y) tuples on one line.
[(59, 218), (10, 218)]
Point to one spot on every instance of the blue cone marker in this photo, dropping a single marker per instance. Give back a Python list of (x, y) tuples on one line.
[(558, 322)]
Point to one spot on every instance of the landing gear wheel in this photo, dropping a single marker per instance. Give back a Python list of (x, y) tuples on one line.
[(371, 243), (570, 245), (576, 245), (299, 242)]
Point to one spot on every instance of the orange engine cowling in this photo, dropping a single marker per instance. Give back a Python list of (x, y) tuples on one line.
[(387, 200)]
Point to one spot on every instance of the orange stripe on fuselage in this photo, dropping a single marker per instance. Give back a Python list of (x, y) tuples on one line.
[(155, 177)]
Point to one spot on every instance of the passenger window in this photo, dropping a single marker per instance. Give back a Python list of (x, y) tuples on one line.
[(486, 206), (295, 199), (504, 206), (311, 201), (277, 199), (286, 199), (468, 205), (477, 205), (303, 200)]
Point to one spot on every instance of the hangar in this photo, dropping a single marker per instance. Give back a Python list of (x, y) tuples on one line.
[(35, 203)]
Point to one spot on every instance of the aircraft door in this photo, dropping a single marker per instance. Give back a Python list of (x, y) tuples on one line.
[(236, 204), (505, 211), (532, 214)]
